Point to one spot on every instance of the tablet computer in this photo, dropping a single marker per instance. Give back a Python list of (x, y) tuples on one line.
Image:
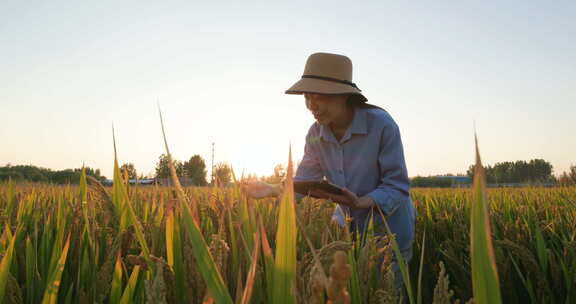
[(306, 187)]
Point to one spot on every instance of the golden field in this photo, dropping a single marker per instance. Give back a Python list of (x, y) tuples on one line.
[(90, 244)]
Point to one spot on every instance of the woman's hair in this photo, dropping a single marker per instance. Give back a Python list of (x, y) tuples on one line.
[(356, 102)]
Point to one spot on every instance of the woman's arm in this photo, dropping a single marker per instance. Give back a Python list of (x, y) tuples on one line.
[(394, 183)]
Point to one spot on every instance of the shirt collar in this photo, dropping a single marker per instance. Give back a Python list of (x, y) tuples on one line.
[(359, 125)]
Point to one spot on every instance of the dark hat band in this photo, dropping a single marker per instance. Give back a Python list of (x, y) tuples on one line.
[(350, 83)]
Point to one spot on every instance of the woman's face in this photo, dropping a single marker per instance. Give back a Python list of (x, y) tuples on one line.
[(326, 108)]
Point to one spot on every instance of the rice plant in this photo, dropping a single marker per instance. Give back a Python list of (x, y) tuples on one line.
[(121, 244)]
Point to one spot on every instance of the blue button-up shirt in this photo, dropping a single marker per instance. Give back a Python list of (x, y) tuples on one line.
[(369, 161)]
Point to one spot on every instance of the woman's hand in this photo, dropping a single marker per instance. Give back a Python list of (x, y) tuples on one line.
[(260, 190), (365, 202)]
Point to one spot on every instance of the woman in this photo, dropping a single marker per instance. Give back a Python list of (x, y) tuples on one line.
[(356, 146)]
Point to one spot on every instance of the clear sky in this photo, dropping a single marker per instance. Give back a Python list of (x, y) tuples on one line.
[(69, 69)]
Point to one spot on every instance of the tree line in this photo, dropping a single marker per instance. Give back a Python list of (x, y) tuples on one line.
[(193, 169), (520, 171), (42, 175), (536, 171)]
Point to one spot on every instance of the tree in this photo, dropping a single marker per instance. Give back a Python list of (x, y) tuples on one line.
[(222, 174), (130, 170), (568, 178), (163, 167), (195, 169), (94, 173), (540, 170)]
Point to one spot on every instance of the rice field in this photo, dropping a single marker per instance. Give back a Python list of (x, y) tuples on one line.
[(90, 244), (130, 244)]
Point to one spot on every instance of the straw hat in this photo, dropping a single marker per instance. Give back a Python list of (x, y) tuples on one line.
[(326, 73)]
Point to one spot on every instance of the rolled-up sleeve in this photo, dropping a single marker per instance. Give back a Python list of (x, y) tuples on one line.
[(394, 183)]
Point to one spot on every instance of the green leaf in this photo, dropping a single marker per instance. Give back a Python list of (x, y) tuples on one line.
[(131, 286), (116, 287), (285, 265), (31, 270), (399, 259), (252, 273), (10, 200), (174, 254), (354, 283), (268, 262), (51, 292), (5, 267), (541, 250), (419, 291), (204, 259), (128, 216), (485, 284)]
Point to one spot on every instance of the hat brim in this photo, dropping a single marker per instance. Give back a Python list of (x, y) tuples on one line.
[(320, 86)]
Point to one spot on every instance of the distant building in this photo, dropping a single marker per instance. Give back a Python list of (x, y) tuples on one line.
[(184, 181), (147, 181)]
